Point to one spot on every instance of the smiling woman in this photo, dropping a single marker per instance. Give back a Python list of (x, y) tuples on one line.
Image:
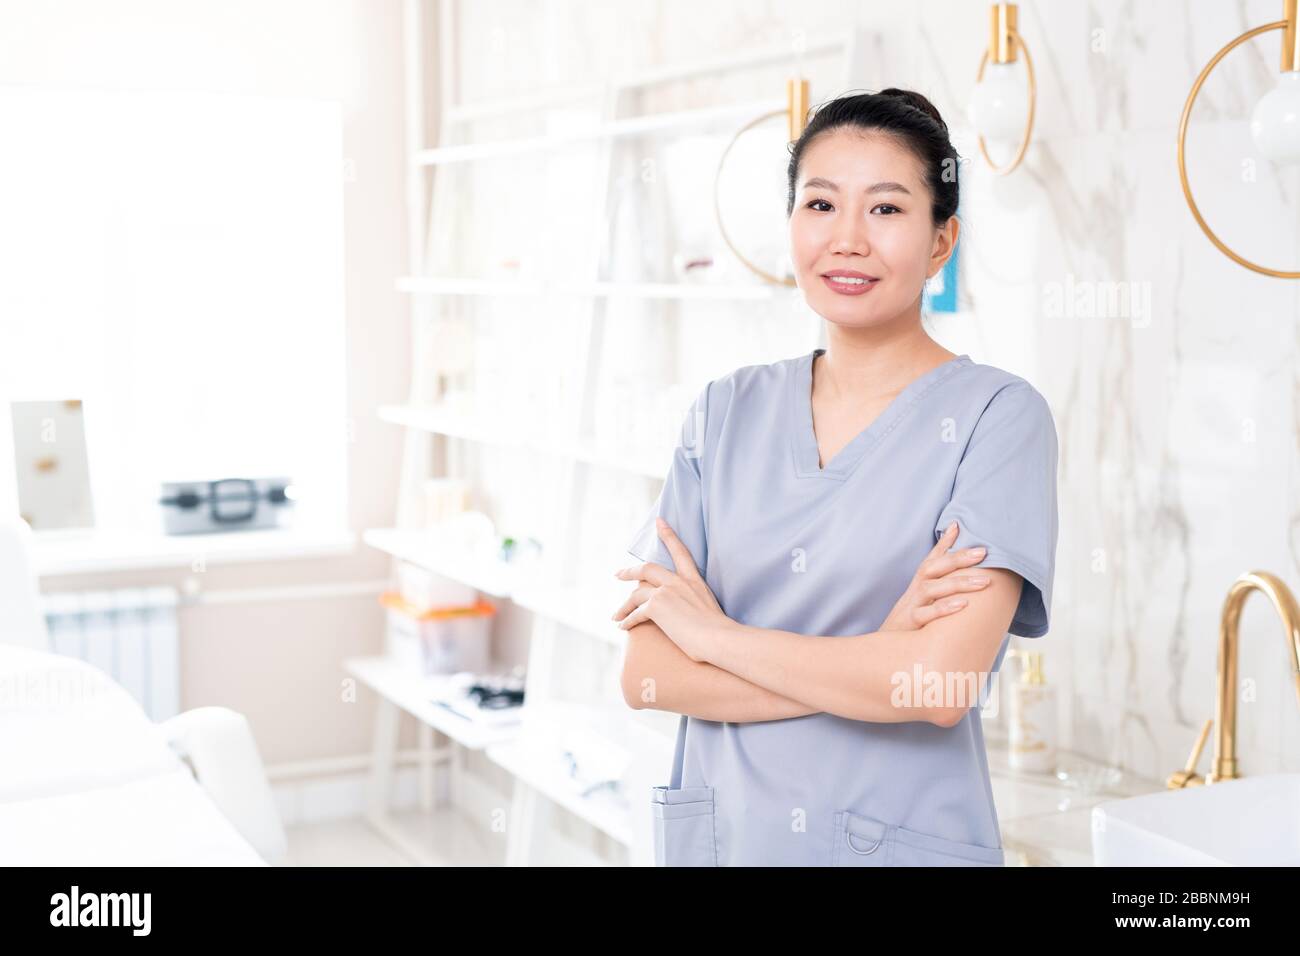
[(819, 523), (879, 186)]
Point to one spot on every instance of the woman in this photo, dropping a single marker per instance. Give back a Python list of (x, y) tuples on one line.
[(805, 497)]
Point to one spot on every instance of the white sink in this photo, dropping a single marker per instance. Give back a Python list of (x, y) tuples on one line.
[(1250, 821)]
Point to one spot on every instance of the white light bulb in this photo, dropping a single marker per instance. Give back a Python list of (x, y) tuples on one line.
[(999, 105), (1275, 124)]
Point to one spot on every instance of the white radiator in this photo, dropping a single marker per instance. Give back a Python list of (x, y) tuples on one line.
[(130, 633)]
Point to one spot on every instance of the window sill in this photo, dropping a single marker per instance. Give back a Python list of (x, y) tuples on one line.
[(91, 552)]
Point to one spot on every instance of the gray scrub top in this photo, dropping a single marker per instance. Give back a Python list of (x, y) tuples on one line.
[(786, 544)]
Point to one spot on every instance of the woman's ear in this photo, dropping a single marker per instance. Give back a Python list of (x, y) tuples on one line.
[(945, 241)]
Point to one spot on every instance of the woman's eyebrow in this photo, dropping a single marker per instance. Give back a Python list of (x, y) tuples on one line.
[(817, 182)]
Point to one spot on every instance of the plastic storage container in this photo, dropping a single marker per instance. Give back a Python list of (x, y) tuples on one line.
[(442, 640)]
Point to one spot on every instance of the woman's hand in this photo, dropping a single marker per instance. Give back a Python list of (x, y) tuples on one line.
[(680, 602), (930, 595)]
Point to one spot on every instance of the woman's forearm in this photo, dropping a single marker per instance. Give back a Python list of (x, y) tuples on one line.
[(854, 677), (659, 676)]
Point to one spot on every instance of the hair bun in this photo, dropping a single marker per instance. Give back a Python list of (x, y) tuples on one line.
[(912, 98), (910, 119)]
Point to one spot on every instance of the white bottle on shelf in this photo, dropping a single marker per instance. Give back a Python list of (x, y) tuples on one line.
[(1031, 735)]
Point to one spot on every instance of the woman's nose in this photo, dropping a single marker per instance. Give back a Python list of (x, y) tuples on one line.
[(850, 237)]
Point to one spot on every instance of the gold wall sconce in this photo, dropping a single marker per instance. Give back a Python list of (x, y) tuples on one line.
[(1275, 124), (997, 104), (796, 113)]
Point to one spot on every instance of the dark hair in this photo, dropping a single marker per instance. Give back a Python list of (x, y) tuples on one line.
[(904, 114)]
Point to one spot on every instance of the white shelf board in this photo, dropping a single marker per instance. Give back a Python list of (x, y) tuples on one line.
[(62, 553), (598, 131), (585, 610), (729, 62), (543, 770), (421, 547), (458, 424), (413, 694), (577, 609), (733, 291)]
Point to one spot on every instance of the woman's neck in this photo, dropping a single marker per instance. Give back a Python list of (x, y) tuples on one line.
[(867, 363)]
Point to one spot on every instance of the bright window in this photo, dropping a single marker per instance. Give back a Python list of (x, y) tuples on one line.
[(175, 261)]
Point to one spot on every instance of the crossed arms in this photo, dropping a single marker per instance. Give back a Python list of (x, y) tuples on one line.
[(754, 674)]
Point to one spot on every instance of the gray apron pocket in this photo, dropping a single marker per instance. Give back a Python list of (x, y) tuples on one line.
[(683, 826), (862, 840), (859, 840), (912, 848)]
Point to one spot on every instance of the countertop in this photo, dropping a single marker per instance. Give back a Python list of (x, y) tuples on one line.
[(1046, 819)]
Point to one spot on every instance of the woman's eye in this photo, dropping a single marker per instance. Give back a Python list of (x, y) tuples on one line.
[(817, 202), (885, 205)]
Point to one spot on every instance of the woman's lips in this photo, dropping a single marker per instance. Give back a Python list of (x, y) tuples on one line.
[(846, 286)]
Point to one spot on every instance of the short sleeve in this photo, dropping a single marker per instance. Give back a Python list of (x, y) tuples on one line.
[(1004, 498), (681, 500)]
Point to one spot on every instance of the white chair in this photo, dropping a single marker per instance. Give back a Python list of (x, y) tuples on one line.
[(21, 620), (89, 780)]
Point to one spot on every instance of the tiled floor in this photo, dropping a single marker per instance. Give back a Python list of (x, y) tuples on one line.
[(445, 837), (340, 843)]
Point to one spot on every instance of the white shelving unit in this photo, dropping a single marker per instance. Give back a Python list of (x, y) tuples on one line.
[(561, 608)]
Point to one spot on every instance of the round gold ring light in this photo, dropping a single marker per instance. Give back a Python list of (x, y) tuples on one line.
[(1182, 140), (1005, 42), (796, 112)]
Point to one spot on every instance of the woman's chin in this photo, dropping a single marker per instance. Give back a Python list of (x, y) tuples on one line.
[(852, 315)]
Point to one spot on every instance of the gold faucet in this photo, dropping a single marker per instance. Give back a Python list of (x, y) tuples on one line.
[(1223, 766)]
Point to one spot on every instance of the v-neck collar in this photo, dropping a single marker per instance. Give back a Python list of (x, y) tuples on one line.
[(803, 438)]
